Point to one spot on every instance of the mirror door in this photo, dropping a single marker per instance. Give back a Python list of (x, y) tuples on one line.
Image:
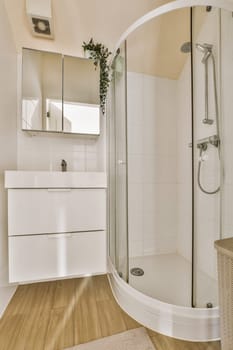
[(41, 91), (59, 93)]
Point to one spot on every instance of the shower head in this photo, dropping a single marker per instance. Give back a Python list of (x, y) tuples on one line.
[(186, 47), (206, 56)]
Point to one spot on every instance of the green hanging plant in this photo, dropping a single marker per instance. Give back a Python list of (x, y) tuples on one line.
[(99, 53)]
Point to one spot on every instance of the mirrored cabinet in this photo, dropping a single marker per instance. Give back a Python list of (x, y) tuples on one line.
[(59, 93)]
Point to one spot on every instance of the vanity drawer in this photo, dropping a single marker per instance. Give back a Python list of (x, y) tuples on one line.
[(42, 257), (38, 211)]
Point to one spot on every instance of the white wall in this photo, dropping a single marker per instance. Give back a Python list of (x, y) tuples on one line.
[(45, 151), (152, 164), (8, 158)]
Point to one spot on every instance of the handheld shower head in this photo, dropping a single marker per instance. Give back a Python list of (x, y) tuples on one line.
[(206, 49), (206, 56), (200, 47)]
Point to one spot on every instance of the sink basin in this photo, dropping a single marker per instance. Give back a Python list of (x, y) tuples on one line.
[(54, 179)]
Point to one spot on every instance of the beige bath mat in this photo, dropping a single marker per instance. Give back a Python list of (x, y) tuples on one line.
[(135, 339)]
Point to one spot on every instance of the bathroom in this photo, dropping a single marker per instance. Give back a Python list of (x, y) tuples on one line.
[(156, 207)]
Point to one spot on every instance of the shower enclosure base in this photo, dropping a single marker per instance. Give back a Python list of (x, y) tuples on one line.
[(181, 322), (167, 277)]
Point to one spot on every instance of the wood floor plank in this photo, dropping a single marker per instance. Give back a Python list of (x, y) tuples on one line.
[(54, 337), (18, 302), (60, 314), (34, 335), (64, 292), (36, 316), (9, 330), (129, 321), (102, 288), (86, 319), (110, 317)]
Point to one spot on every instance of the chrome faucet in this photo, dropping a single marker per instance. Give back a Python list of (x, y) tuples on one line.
[(63, 165)]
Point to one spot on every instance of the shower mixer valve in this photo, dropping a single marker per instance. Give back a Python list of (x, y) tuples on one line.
[(203, 143)]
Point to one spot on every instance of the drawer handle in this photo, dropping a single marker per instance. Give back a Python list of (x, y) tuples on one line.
[(59, 189), (57, 236)]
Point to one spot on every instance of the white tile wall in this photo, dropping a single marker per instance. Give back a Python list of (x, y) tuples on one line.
[(184, 163), (152, 164), (40, 151)]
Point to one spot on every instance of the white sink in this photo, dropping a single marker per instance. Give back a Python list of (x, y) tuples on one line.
[(54, 179)]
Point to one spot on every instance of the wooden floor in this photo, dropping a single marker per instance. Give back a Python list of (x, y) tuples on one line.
[(60, 314)]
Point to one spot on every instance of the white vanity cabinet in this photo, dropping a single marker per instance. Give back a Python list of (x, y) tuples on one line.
[(56, 232)]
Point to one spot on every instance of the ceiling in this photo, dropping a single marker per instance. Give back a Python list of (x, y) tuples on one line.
[(76, 21), (153, 49)]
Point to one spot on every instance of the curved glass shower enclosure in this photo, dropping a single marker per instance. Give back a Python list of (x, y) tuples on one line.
[(170, 167)]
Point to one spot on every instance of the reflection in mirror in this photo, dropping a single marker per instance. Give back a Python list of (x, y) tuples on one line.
[(41, 82), (77, 118), (81, 96), (59, 93)]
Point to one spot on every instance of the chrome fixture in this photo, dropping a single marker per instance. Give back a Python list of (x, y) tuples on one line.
[(63, 165), (203, 147), (207, 50), (137, 271), (213, 140), (186, 47), (209, 305)]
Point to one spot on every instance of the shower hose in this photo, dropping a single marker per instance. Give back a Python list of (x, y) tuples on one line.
[(199, 176)]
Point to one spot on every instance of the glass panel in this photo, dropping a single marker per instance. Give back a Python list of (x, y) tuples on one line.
[(111, 147), (206, 77), (121, 223), (41, 83), (160, 157)]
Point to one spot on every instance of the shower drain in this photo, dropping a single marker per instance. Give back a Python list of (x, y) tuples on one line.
[(137, 271)]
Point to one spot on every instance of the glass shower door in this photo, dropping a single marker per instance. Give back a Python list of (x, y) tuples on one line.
[(207, 157)]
